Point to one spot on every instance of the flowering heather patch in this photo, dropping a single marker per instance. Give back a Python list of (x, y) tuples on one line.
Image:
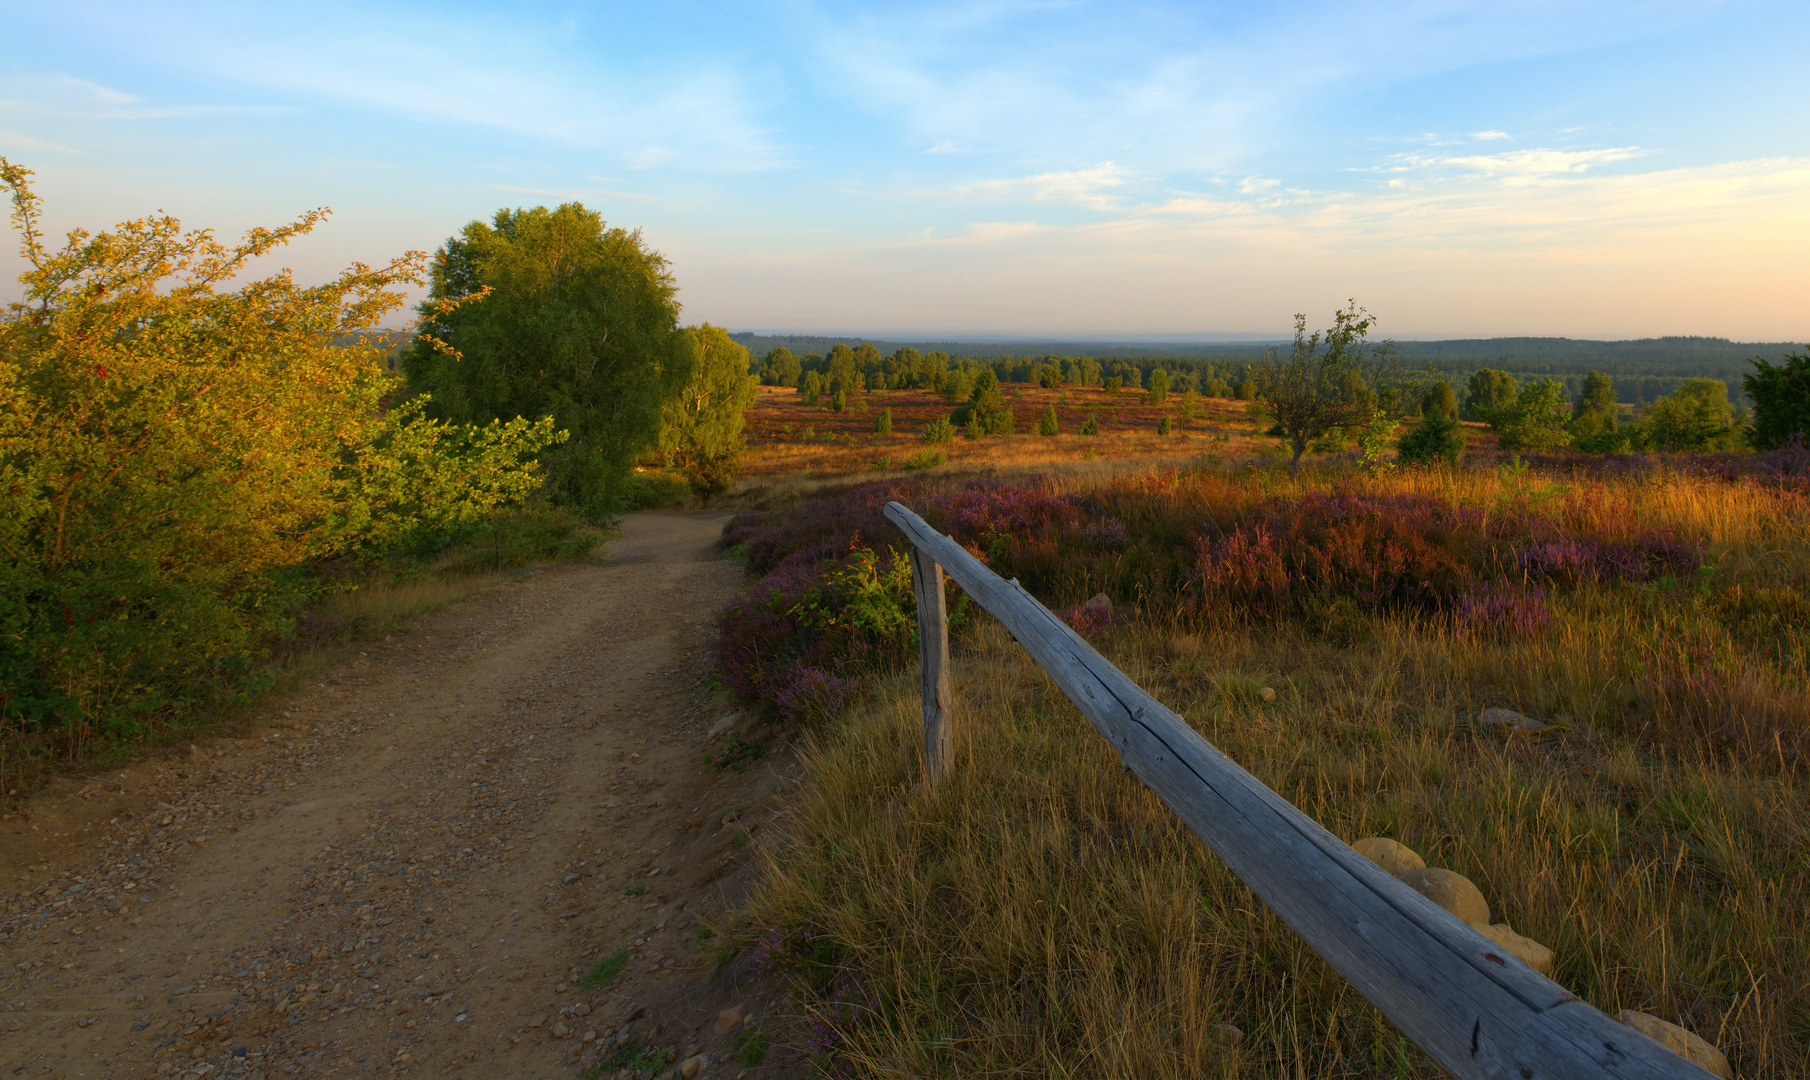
[(1499, 609), (835, 601)]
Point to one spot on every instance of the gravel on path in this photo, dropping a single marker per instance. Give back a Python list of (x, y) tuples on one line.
[(412, 865)]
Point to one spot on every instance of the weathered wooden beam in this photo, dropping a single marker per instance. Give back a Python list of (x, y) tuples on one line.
[(933, 665), (1474, 1009)]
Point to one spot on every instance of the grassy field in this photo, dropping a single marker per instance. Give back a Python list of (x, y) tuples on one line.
[(1042, 914)]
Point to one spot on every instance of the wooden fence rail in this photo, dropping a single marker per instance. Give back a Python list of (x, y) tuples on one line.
[(1474, 1009)]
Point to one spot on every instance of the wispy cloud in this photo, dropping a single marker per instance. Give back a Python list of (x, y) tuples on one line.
[(26, 142), (1091, 188), (569, 193), (1491, 134), (1535, 164)]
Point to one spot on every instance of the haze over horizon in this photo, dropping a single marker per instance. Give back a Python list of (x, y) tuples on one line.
[(1010, 171)]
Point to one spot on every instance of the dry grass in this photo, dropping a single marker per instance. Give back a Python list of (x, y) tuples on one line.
[(1044, 915)]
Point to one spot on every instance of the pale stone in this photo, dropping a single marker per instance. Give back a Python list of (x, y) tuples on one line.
[(1395, 857), (1524, 949), (1687, 1045), (1226, 1035), (690, 1066), (560, 1030), (1268, 693), (1508, 720), (1098, 602), (730, 1019), (1450, 890)]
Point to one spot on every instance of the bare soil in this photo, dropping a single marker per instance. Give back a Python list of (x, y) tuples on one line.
[(411, 866)]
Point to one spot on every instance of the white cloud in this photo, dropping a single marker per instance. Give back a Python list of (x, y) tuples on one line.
[(1081, 187), (569, 193), (1256, 185), (1490, 134), (1534, 164)]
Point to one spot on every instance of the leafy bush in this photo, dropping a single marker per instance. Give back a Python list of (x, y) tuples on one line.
[(1163, 426), (1091, 425), (173, 456), (924, 459), (938, 431), (1435, 439), (1781, 399)]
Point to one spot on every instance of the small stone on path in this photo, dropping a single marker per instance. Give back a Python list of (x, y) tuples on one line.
[(730, 1019)]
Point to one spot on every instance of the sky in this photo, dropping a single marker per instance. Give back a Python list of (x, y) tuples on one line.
[(1110, 171)]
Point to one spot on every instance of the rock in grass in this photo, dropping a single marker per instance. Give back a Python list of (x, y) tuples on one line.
[(1268, 693), (1687, 1045), (1226, 1035), (1524, 949), (1397, 858), (1098, 602), (1508, 720), (1450, 890)]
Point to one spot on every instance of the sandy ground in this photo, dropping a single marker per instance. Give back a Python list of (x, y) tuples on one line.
[(411, 866)]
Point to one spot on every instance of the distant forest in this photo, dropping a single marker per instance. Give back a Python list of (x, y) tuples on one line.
[(1643, 369)]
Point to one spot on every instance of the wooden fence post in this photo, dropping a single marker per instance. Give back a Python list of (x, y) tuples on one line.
[(933, 660)]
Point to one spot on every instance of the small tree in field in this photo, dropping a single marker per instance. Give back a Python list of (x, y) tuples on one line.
[(883, 422), (1310, 392), (1163, 426), (1091, 425), (1047, 425), (1159, 388)]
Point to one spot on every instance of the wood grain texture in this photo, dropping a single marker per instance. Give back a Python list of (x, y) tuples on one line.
[(1472, 1008), (933, 666)]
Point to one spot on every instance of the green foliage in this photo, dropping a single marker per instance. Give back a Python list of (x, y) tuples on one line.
[(753, 1045), (1489, 390), (1158, 391), (1594, 412), (938, 431), (1329, 381), (550, 313), (1113, 385), (1046, 425), (986, 412), (1696, 417), (883, 422), (633, 891), (841, 369), (1440, 399), (1091, 425), (175, 450), (1781, 399), (1537, 419), (606, 969), (780, 368), (1434, 440), (702, 429), (838, 400), (813, 387), (738, 753), (924, 459), (1162, 426), (1247, 390)]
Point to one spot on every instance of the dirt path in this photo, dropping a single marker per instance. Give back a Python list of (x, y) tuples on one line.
[(410, 867)]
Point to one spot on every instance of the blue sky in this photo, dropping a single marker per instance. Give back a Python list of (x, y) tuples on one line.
[(1053, 169)]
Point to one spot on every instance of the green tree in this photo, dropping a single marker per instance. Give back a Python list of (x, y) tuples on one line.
[(1781, 399), (1440, 399), (1437, 438), (1489, 389), (868, 363), (1328, 382), (838, 400), (781, 367), (1158, 391), (1593, 415), (883, 422), (701, 432), (1693, 417), (841, 370), (938, 431), (1536, 419), (1047, 424), (551, 313), (1247, 389), (1091, 425), (813, 387), (1162, 426), (1113, 384)]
